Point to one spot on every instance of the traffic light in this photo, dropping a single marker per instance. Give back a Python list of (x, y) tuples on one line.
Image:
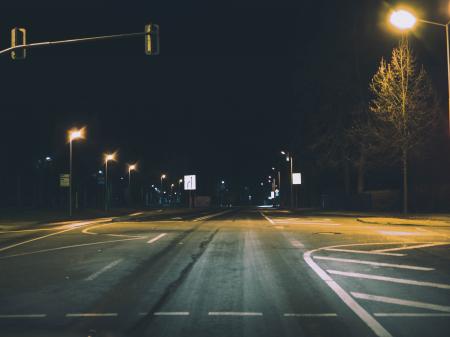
[(152, 39), (18, 38)]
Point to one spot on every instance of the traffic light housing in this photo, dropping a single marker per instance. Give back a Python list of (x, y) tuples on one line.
[(152, 39), (18, 38)]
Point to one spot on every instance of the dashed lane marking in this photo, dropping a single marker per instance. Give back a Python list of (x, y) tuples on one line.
[(171, 313), (24, 316), (101, 271), (234, 313), (297, 244), (93, 314), (389, 279), (328, 314), (399, 301), (267, 218), (157, 238), (209, 216), (362, 252), (372, 263)]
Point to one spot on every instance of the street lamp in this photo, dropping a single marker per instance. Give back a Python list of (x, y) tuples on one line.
[(73, 134), (108, 157), (163, 176), (290, 159), (131, 167), (405, 20)]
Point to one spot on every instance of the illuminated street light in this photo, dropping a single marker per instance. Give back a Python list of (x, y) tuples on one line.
[(290, 159), (402, 19), (108, 157), (163, 176), (405, 20), (73, 134), (131, 167)]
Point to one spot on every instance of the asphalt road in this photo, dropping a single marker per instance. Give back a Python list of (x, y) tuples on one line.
[(231, 272)]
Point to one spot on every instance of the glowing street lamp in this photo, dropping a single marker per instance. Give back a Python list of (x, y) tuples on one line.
[(163, 176), (405, 20), (108, 157), (73, 134), (290, 159), (131, 167)]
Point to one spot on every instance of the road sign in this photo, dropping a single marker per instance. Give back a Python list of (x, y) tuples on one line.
[(296, 178), (190, 183), (18, 38), (64, 180), (152, 39)]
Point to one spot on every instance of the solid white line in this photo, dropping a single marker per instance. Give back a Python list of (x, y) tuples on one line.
[(361, 252), (398, 301), (67, 247), (412, 247), (389, 279), (267, 218), (306, 223), (233, 313), (24, 316), (310, 315), (410, 314), (157, 238), (371, 322), (380, 264), (93, 314), (171, 313), (206, 217), (101, 271)]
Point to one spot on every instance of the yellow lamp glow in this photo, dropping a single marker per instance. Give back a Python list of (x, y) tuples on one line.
[(76, 134), (403, 19)]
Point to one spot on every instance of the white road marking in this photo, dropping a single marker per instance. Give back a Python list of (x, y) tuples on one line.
[(93, 314), (136, 214), (310, 315), (267, 218), (410, 314), (307, 223), (101, 271), (68, 247), (398, 301), (398, 233), (234, 313), (372, 263), (171, 313), (297, 244), (206, 217), (422, 245), (24, 316), (362, 252), (389, 279), (370, 321), (157, 238)]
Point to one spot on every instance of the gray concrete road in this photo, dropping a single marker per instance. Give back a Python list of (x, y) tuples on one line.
[(231, 272)]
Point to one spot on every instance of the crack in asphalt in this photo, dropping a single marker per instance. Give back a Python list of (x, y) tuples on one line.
[(143, 323)]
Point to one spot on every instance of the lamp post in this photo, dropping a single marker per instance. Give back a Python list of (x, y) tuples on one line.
[(405, 20), (163, 176), (279, 183), (108, 157), (131, 167), (290, 159), (74, 134)]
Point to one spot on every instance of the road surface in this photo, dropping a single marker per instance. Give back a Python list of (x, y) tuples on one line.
[(231, 272)]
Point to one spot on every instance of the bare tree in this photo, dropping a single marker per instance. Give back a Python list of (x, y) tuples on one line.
[(403, 108)]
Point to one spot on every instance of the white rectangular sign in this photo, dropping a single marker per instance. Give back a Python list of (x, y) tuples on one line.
[(190, 183), (64, 180), (296, 178)]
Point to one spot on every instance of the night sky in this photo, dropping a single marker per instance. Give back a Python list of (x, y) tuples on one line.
[(232, 86)]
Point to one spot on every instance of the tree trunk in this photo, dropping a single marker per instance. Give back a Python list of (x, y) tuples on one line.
[(361, 174), (405, 181), (347, 177)]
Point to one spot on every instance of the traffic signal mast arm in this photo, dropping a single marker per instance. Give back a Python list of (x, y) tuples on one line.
[(78, 40)]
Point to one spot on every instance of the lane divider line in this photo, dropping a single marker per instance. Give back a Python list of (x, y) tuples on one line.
[(372, 263), (171, 313), (104, 269), (297, 244), (330, 314), (206, 217), (157, 238), (371, 252), (234, 313), (389, 279), (24, 316), (367, 318), (398, 301), (93, 314), (412, 247), (410, 314), (267, 218)]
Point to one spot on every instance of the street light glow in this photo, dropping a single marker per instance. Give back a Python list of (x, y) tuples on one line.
[(76, 134), (403, 19), (132, 167), (110, 156), (163, 176)]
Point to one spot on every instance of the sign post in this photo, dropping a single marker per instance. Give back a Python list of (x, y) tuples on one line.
[(296, 180), (190, 184)]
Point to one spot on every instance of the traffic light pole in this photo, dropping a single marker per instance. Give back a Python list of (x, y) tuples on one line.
[(75, 41)]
